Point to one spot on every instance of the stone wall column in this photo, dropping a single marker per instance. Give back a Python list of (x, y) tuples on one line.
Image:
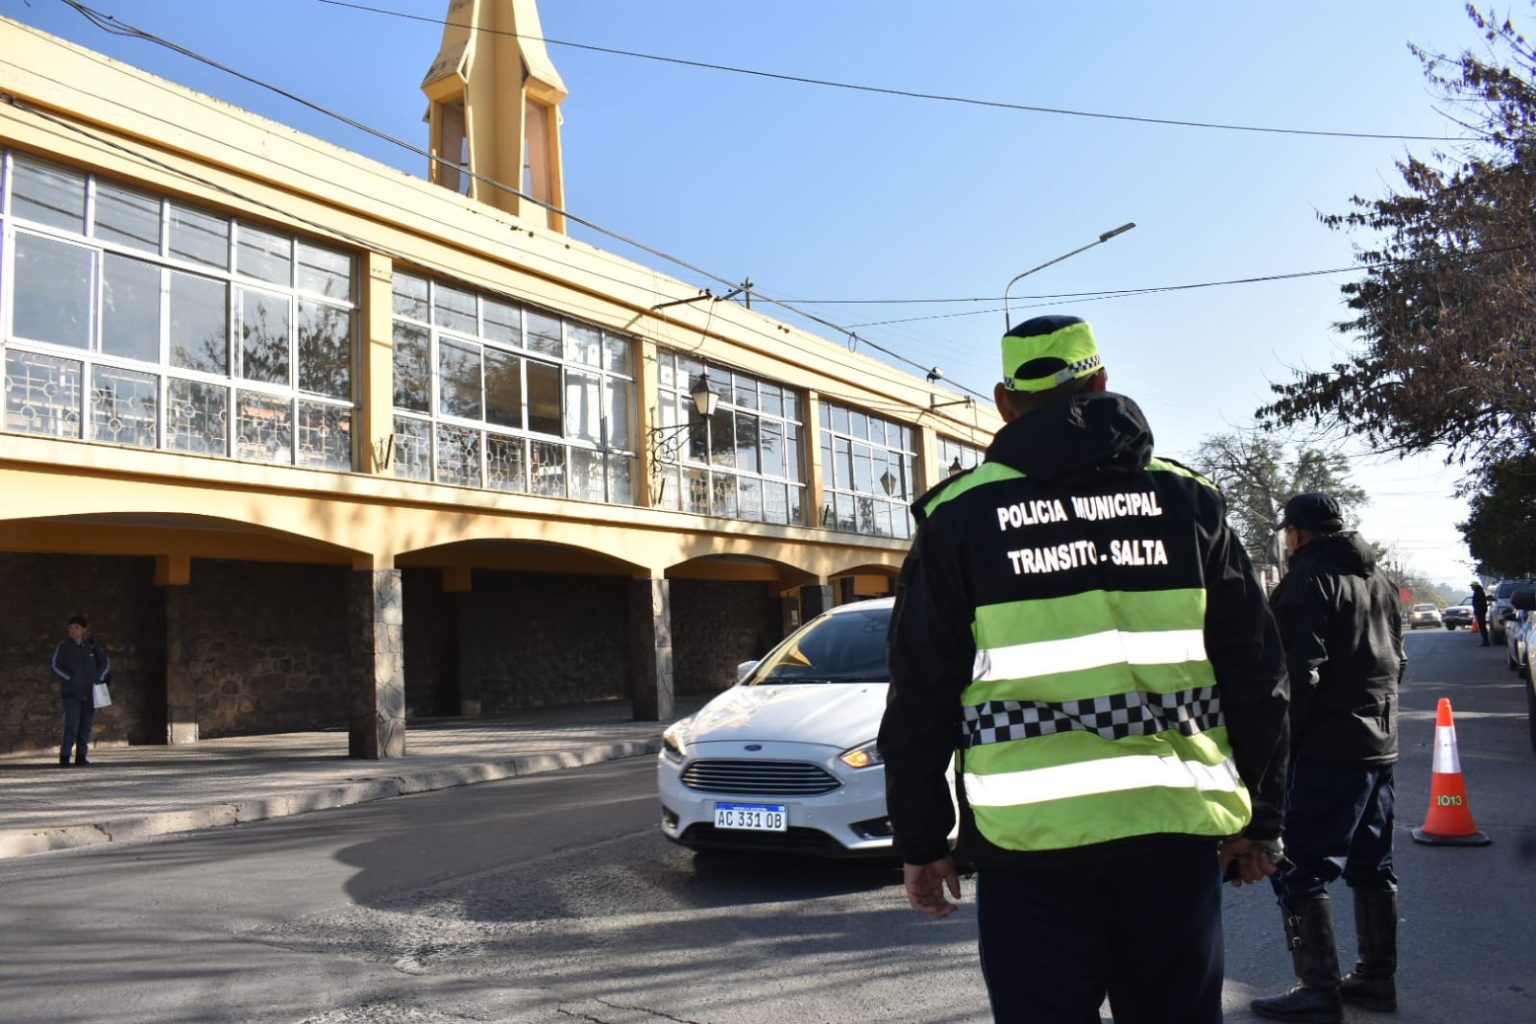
[(376, 649), (814, 599), (181, 724), (650, 650)]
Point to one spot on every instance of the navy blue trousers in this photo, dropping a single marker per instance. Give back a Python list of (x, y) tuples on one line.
[(1142, 926), (79, 715), (1338, 822)]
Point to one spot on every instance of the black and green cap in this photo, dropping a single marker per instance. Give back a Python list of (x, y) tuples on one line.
[(1047, 351)]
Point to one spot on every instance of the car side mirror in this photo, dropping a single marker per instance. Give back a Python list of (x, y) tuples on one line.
[(745, 669), (1525, 600)]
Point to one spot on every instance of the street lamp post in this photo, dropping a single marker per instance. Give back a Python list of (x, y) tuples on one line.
[(1106, 236)]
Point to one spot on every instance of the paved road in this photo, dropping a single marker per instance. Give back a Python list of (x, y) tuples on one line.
[(552, 900)]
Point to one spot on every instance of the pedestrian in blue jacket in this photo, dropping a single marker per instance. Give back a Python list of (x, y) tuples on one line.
[(80, 663)]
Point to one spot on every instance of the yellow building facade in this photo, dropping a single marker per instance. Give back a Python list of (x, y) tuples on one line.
[(318, 443)]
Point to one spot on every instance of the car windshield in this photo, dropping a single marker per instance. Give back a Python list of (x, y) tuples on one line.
[(1506, 587), (1423, 607), (848, 647)]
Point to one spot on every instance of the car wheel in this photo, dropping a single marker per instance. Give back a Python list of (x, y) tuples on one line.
[(1449, 626), (1530, 711)]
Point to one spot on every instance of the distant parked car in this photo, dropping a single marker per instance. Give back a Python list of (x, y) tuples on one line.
[(1522, 640), (1457, 615), (1423, 615), (1499, 609)]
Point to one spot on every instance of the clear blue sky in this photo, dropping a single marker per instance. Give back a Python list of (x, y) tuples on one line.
[(828, 194)]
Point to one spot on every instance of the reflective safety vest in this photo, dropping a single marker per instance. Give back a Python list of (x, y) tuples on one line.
[(1094, 716)]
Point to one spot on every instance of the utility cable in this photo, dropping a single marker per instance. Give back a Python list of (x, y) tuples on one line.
[(905, 93)]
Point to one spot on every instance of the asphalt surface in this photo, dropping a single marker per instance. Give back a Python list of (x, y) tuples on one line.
[(132, 793)]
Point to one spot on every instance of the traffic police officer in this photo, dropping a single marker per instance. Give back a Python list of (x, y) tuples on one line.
[(1079, 628)]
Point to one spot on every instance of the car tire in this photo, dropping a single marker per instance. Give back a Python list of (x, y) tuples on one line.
[(1450, 626), (1530, 711)]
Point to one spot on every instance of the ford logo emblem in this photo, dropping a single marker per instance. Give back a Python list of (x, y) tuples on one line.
[(754, 746)]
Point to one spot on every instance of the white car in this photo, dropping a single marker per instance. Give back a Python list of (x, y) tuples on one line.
[(1423, 615), (786, 759)]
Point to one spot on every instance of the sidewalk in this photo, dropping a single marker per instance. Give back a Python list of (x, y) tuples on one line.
[(136, 792)]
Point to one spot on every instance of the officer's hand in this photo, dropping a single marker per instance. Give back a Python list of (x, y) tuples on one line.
[(926, 884), (1244, 861)]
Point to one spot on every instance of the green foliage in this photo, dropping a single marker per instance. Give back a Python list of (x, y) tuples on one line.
[(1501, 530), (1444, 310), (1257, 476)]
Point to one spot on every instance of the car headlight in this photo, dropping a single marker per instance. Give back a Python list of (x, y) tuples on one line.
[(674, 742), (865, 755)]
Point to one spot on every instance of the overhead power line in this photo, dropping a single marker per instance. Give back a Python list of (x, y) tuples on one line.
[(114, 26), (907, 93)]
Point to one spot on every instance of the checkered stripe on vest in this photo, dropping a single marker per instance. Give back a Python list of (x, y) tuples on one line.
[(1113, 717)]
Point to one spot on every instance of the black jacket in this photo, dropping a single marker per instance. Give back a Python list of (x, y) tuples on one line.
[(1343, 636), (1093, 445), (79, 666)]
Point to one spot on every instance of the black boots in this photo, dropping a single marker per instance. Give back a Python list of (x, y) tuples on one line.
[(1371, 985), (1309, 931)]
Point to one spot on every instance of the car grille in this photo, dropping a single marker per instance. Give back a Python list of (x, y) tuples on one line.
[(787, 778)]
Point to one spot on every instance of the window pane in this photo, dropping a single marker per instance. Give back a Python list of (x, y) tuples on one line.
[(325, 435), (666, 369), (863, 477), (877, 430), (828, 463), (844, 463), (616, 353), (547, 468), (616, 408), (621, 479), (583, 408), (47, 194), (197, 417), (264, 256), (746, 443), (199, 237), (412, 458), (797, 505), (125, 407), (127, 218), (839, 419), (771, 441), (263, 427), (506, 463), (697, 498), (458, 456), (775, 503), (130, 308), (413, 368), (792, 405), (53, 291), (722, 498), (325, 272), (543, 334), (42, 394), (587, 472), (773, 399), (458, 368), (722, 438), (745, 392), (325, 350), (264, 337), (792, 465), (544, 398), (503, 321), (454, 309), (583, 345), (410, 297), (858, 424), (503, 388), (749, 494)]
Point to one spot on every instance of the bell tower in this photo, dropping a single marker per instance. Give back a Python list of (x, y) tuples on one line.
[(495, 109)]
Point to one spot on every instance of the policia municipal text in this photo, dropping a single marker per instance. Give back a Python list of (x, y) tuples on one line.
[(1117, 717)]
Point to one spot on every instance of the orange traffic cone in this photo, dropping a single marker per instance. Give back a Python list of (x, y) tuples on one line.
[(1449, 820), (1474, 628)]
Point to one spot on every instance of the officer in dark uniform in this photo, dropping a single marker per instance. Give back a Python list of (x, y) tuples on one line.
[(1480, 610), (1338, 616), (1077, 626)]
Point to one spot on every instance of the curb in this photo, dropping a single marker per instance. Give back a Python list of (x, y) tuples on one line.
[(21, 843)]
